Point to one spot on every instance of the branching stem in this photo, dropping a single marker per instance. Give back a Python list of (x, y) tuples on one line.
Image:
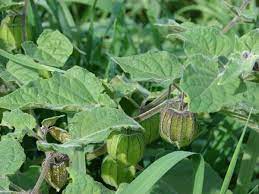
[(237, 17)]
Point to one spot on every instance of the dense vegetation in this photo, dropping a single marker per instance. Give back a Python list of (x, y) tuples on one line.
[(129, 96)]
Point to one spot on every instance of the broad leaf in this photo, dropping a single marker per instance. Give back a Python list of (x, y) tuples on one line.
[(249, 42), (51, 121), (121, 87), (76, 90), (250, 97), (208, 41), (12, 156), (83, 183), (238, 64), (23, 123), (244, 58), (92, 126), (151, 66), (52, 49), (22, 74), (200, 83), (27, 62), (99, 120)]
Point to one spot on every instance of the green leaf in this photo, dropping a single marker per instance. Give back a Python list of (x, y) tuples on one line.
[(250, 96), (22, 74), (23, 123), (51, 121), (200, 83), (239, 64), (249, 42), (244, 58), (121, 86), (91, 126), (12, 156), (151, 66), (83, 183), (143, 183), (99, 120), (7, 39), (24, 61), (52, 49), (207, 41), (76, 90)]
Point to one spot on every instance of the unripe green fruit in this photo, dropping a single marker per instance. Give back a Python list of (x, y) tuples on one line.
[(151, 128), (57, 175), (7, 40), (178, 127), (11, 32), (114, 172), (45, 74), (126, 146)]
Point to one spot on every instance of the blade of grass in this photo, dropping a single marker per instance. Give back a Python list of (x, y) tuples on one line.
[(34, 19), (144, 182), (199, 168), (248, 163), (233, 162)]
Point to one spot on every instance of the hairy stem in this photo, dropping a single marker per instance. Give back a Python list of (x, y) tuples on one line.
[(96, 153), (151, 112), (236, 19), (44, 170)]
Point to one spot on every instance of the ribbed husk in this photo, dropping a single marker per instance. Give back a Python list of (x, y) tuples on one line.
[(151, 128), (177, 127), (114, 172), (57, 175), (126, 146)]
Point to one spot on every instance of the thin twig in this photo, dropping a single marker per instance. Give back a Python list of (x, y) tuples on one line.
[(237, 17), (44, 170), (139, 167), (151, 112), (96, 153), (16, 187), (165, 95)]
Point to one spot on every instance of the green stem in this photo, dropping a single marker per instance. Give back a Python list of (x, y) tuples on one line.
[(44, 170), (164, 95), (236, 19), (151, 112), (248, 163), (96, 153)]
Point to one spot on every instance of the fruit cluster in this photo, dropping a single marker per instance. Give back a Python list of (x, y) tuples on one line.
[(125, 149)]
